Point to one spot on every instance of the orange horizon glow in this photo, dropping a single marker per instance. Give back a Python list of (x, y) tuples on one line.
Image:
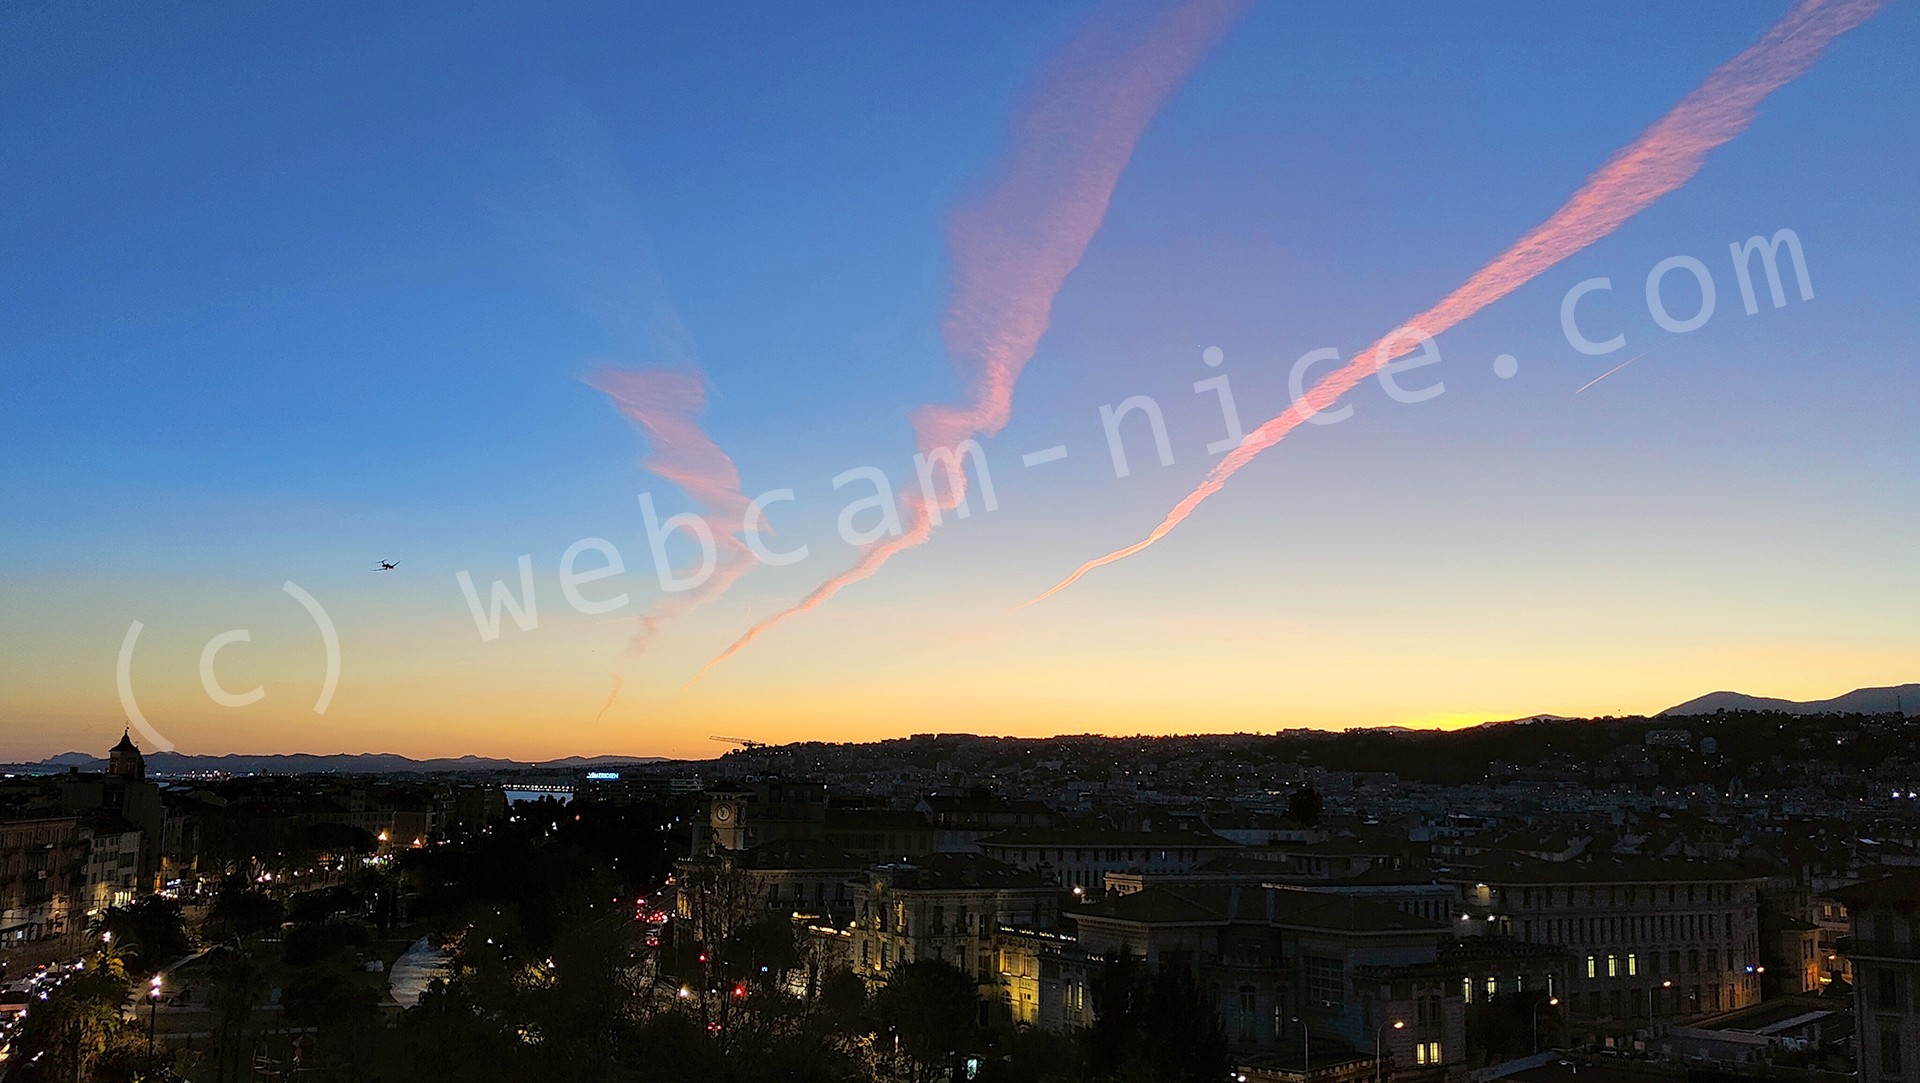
[(530, 728)]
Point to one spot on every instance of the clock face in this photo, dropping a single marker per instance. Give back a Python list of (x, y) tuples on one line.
[(723, 813)]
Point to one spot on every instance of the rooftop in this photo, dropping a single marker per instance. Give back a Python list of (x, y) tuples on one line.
[(1267, 904), (1601, 870)]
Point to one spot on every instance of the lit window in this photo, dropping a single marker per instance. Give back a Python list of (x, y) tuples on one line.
[(1613, 966), (1633, 964), (1590, 969)]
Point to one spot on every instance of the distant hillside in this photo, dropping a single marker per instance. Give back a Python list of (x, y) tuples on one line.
[(366, 763), (1904, 698)]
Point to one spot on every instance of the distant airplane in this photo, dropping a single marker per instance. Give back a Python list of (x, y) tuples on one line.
[(387, 565)]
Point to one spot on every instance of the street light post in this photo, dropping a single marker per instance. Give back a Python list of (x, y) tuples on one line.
[(1379, 1059), (1551, 1002), (1668, 984), (153, 1012), (1306, 1046)]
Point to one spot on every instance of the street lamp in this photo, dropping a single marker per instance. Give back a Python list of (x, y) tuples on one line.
[(1306, 1046), (153, 1011), (1379, 1060), (1668, 984), (1552, 1002)]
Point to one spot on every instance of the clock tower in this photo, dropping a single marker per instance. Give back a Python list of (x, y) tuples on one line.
[(724, 817)]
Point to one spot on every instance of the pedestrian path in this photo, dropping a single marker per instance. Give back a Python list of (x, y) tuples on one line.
[(414, 971)]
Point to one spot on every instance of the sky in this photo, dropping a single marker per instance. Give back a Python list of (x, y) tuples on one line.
[(290, 292)]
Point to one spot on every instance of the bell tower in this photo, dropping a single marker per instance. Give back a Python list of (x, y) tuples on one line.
[(125, 760)]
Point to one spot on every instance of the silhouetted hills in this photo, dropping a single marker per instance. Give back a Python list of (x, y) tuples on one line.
[(1902, 698), (300, 763)]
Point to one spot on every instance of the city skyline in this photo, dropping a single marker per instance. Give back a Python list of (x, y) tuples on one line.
[(307, 302)]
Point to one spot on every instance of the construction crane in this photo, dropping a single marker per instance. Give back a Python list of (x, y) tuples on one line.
[(743, 742)]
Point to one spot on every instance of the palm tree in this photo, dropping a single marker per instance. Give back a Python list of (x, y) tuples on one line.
[(76, 1025), (237, 985)]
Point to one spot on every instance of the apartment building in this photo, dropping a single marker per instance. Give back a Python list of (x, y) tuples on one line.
[(1290, 969), (1883, 944), (1649, 938), (945, 906)]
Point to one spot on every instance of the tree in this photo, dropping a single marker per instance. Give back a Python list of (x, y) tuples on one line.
[(929, 1007), (334, 1004), (323, 943), (763, 952), (238, 985), (1154, 1024), (843, 1001), (334, 840), (1305, 805), (150, 933), (65, 1037), (718, 900), (445, 1039), (239, 912)]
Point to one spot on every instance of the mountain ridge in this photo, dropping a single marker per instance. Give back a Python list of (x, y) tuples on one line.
[(1902, 698), (344, 763)]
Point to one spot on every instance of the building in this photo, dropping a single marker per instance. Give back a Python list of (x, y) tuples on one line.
[(960, 821), (1490, 967), (1296, 970), (1790, 947), (768, 810), (802, 878), (1794, 1032), (113, 864), (123, 792), (1650, 939), (1416, 893), (42, 869), (946, 906), (1883, 944), (1080, 858), (1046, 978), (878, 835)]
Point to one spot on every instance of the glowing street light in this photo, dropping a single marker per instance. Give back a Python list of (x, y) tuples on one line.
[(1379, 1060), (1551, 1002), (153, 1011)]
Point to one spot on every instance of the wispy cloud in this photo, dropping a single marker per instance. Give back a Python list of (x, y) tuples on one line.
[(1016, 244), (1664, 157), (584, 233), (665, 404)]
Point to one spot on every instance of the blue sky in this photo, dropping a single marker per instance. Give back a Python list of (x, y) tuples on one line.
[(291, 290)]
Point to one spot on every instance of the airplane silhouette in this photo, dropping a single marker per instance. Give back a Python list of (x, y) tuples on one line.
[(387, 565)]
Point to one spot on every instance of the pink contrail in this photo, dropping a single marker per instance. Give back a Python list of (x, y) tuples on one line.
[(1611, 371), (1666, 156), (1015, 246), (619, 682), (664, 404)]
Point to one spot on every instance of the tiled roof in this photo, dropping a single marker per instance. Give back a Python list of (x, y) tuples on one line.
[(797, 854), (1604, 870), (1901, 888), (1278, 906), (943, 872), (1100, 837)]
